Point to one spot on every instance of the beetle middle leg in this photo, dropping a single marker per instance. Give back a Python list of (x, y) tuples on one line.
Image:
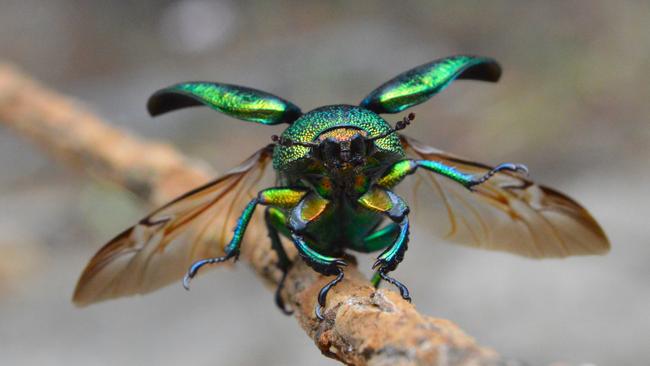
[(276, 221), (308, 210), (390, 204)]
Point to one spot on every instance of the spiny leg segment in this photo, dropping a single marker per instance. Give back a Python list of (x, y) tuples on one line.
[(308, 210), (328, 266), (279, 197), (307, 207), (392, 256), (391, 205)]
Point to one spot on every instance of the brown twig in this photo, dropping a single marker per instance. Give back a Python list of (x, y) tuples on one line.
[(363, 326)]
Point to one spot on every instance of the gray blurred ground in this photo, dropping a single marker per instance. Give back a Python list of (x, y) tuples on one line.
[(573, 104)]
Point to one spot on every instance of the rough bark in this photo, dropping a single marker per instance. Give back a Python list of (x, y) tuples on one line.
[(363, 326)]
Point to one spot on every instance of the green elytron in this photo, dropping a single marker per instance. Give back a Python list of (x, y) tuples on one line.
[(336, 170)]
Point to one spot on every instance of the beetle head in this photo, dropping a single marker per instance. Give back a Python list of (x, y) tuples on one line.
[(343, 148)]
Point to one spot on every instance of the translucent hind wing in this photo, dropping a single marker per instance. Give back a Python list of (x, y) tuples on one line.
[(160, 248), (508, 212)]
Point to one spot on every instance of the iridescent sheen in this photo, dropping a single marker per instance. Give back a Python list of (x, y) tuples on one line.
[(400, 170), (336, 167), (312, 124), (421, 83), (377, 199), (312, 208), (240, 229), (310, 254), (447, 171), (281, 197), (399, 246), (341, 134), (396, 173), (237, 101), (380, 239)]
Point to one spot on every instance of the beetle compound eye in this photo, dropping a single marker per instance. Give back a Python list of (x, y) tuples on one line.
[(331, 149), (358, 145)]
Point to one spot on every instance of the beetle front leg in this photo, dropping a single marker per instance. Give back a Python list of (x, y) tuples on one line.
[(401, 169), (308, 210), (501, 167), (390, 204), (280, 197), (327, 266)]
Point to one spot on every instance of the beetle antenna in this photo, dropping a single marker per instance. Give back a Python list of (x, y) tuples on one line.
[(400, 125), (284, 141)]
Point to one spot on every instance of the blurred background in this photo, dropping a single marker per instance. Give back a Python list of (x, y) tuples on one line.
[(573, 104)]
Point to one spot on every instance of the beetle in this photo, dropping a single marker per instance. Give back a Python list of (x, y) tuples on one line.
[(336, 168)]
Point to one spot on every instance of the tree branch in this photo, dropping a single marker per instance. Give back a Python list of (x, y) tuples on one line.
[(363, 326)]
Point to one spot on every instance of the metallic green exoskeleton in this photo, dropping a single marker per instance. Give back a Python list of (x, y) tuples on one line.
[(336, 170), (337, 166)]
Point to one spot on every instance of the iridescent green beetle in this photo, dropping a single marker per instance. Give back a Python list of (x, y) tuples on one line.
[(336, 169)]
